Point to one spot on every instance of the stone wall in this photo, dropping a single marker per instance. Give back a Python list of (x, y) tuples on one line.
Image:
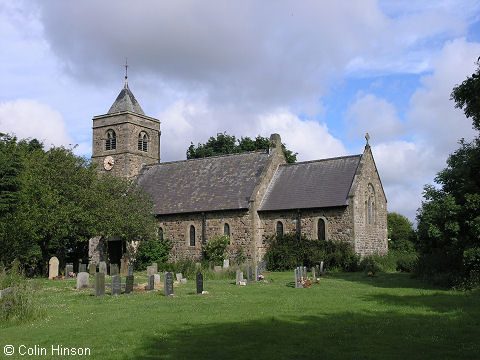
[(338, 224), (176, 228), (369, 238)]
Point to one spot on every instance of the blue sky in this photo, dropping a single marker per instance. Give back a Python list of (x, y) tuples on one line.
[(321, 74)]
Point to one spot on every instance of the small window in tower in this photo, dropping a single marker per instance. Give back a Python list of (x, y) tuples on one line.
[(279, 228), (143, 141), (111, 140), (192, 235)]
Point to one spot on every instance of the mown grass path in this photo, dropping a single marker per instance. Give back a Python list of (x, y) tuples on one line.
[(345, 316)]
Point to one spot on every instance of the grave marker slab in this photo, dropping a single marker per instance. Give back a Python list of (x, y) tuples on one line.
[(155, 267), (256, 273), (130, 270), (68, 270), (226, 263), (199, 279), (82, 268), (123, 266), (53, 268), (151, 283), (249, 274), (238, 277), (82, 280), (313, 273), (116, 285), (156, 279), (92, 268), (168, 284), (321, 267), (129, 284), (102, 267), (99, 284), (151, 270), (113, 269)]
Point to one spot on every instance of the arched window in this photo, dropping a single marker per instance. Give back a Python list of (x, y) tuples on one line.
[(111, 140), (279, 228), (143, 141), (370, 205), (160, 234), (226, 229), (321, 229), (192, 235)]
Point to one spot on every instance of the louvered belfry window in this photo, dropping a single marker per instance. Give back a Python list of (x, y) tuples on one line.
[(143, 141), (111, 140)]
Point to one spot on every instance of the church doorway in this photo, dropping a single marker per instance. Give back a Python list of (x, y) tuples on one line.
[(115, 251)]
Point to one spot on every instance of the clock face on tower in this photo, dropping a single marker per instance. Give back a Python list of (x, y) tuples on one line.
[(108, 163)]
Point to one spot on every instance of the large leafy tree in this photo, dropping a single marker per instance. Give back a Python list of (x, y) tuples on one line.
[(400, 233), (52, 202), (228, 144), (449, 219)]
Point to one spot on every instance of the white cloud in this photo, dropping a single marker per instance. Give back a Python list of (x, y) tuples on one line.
[(373, 115), (31, 119)]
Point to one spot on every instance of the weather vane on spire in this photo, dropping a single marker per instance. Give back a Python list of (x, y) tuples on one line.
[(367, 137), (126, 72)]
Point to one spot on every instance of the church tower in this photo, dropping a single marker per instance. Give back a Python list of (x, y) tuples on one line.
[(125, 138)]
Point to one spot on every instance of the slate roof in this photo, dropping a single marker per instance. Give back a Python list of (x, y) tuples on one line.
[(311, 184), (208, 184), (126, 102)]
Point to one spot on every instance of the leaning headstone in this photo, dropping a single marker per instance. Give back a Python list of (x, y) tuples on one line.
[(116, 285), (129, 284), (113, 269), (130, 270), (99, 284), (156, 279), (123, 266), (249, 274), (82, 267), (82, 280), (199, 279), (155, 267), (256, 273), (68, 270), (92, 268), (226, 263), (168, 284), (151, 283), (151, 270), (102, 267), (53, 268)]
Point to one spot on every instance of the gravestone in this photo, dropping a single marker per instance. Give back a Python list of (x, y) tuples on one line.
[(179, 276), (313, 273), (318, 270), (99, 284), (68, 270), (249, 274), (256, 273), (321, 267), (156, 279), (92, 268), (123, 266), (53, 268), (238, 277), (199, 279), (82, 267), (263, 265), (113, 269), (305, 273), (129, 284), (116, 285), (102, 267), (151, 270), (370, 270), (82, 280), (155, 267), (168, 284), (130, 270), (151, 283), (226, 263), (297, 278)]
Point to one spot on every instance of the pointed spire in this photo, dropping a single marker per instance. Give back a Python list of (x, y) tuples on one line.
[(125, 100), (126, 73)]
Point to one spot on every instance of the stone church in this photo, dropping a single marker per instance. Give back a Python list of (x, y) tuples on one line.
[(248, 196)]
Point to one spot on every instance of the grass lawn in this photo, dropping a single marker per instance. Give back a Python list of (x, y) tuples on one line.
[(345, 316)]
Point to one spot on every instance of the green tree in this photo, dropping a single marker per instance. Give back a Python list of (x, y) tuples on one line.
[(466, 96), (228, 144), (401, 233)]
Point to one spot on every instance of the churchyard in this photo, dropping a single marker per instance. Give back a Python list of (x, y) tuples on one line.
[(342, 316)]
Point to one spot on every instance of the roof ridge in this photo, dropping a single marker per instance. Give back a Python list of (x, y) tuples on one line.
[(319, 160), (212, 157)]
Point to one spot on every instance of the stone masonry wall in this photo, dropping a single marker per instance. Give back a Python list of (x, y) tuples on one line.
[(369, 238), (176, 228), (338, 224)]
